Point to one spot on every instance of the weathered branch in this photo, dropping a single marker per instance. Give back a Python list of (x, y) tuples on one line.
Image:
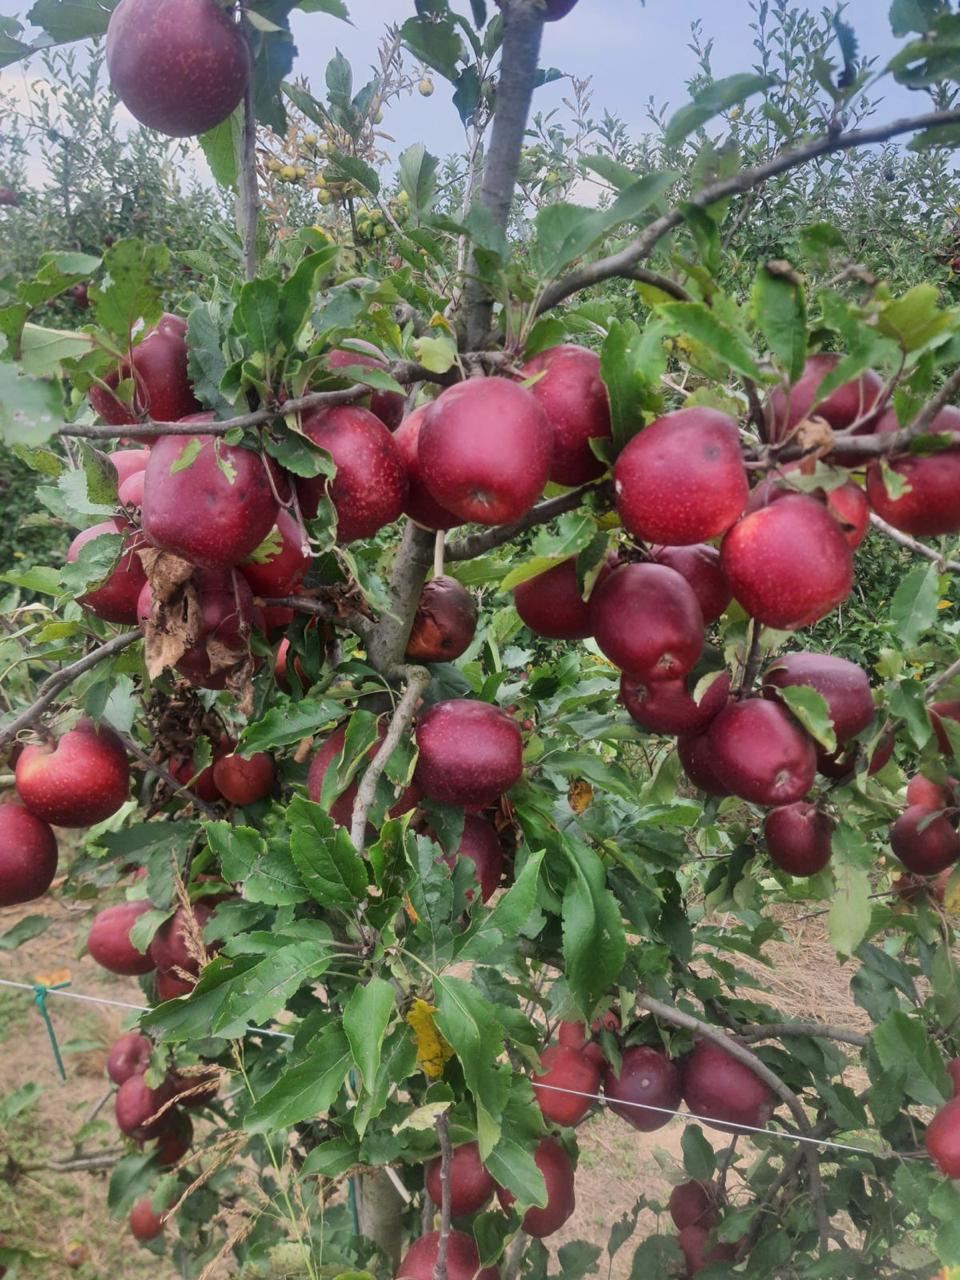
[(622, 262), (322, 609), (913, 544), (248, 190), (446, 1156), (819, 1030), (475, 544), (61, 679), (388, 641)]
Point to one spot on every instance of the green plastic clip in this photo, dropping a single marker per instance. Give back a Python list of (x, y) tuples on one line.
[(40, 1000)]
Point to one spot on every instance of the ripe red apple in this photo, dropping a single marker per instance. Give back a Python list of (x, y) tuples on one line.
[(280, 564), (144, 1223), (463, 1260), (924, 841), (931, 504), (128, 462), (169, 986), (82, 780), (444, 624), (370, 487), (108, 941), (419, 505), (692, 1203), (386, 405), (162, 386), (470, 752), (843, 685), (551, 603), (949, 709), (174, 1139), (647, 620), (214, 511), (943, 1139), (80, 296), (647, 1077), (470, 1185), (696, 758), (798, 838), (555, 1165), (28, 855), (927, 794), (682, 480), (572, 396), (341, 810), (481, 845), (700, 565), (137, 1106), (847, 503), (244, 781), (129, 1056), (665, 706), (130, 491), (761, 753), (484, 449), (722, 1089), (115, 600), (849, 403), (565, 1068), (694, 1242), (201, 783), (178, 66), (573, 1035), (788, 564), (170, 948)]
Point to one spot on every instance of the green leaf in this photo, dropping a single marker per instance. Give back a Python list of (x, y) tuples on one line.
[(511, 1163), (811, 709), (471, 1025), (398, 1061), (904, 1047), (332, 870), (288, 723), (131, 287), (913, 609), (699, 1158), (436, 354), (68, 20), (849, 917), (916, 319), (221, 147), (436, 43), (330, 1159), (511, 912), (299, 292), (306, 1091), (366, 1017), (914, 15), (31, 409), (260, 993), (267, 869), (258, 314), (780, 313), (353, 168), (594, 945), (717, 97), (25, 929), (697, 321), (418, 177), (632, 361), (42, 351), (530, 569), (94, 563)]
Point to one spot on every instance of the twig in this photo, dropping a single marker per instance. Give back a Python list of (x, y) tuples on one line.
[(154, 767), (475, 544), (515, 1256), (820, 1030), (387, 642), (417, 680), (446, 1157), (248, 199), (943, 678), (912, 544), (48, 691), (322, 609), (754, 658)]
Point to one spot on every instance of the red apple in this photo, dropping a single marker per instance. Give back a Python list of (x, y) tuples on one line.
[(943, 1139), (115, 600), (927, 794), (444, 624), (169, 986), (647, 620), (82, 780), (28, 855), (849, 403), (129, 462), (798, 838), (722, 1089), (137, 1106), (108, 941), (463, 1260), (280, 563), (470, 1185), (144, 1223), (931, 504), (484, 449), (470, 752), (665, 706), (419, 505), (696, 758), (647, 1078), (370, 487), (178, 66), (847, 503), (555, 1165), (788, 564), (215, 510), (924, 841), (571, 394), (761, 753), (171, 948), (341, 810), (128, 1056), (694, 1242), (700, 565), (130, 491), (481, 845), (843, 685), (693, 1203), (949, 709), (386, 405), (682, 480), (551, 604), (194, 1090), (174, 1139), (566, 1069), (162, 386), (244, 780), (201, 783)]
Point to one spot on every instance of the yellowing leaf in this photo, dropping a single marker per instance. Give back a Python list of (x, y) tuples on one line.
[(433, 1052), (579, 795)]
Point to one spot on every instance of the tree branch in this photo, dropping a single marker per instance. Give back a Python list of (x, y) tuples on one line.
[(820, 1030), (60, 680), (943, 678), (154, 767), (622, 262), (322, 609), (751, 667), (475, 544), (446, 1156), (912, 544), (388, 640), (248, 196)]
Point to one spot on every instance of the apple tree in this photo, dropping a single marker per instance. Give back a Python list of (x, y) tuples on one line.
[(459, 577)]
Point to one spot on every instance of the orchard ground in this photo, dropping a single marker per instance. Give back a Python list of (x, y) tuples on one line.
[(49, 1211)]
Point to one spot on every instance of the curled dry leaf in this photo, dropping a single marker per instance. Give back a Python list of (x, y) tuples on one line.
[(174, 621), (815, 434)]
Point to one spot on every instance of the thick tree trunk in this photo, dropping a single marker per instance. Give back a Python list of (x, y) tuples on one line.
[(379, 1208)]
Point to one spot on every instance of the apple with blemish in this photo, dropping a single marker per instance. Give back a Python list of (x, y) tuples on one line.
[(647, 1078), (444, 624)]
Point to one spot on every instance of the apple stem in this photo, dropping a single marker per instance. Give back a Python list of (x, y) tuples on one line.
[(438, 548), (446, 1158)]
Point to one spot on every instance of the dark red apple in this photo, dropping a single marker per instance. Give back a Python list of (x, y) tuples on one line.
[(555, 1165), (484, 449), (849, 403), (647, 620), (572, 396), (115, 600), (788, 564), (144, 1223), (798, 838), (700, 565), (665, 706), (682, 480), (341, 810), (647, 1078), (128, 462), (481, 845), (840, 765), (174, 1139), (444, 624), (80, 296), (128, 1056), (463, 1260), (693, 1203), (370, 487), (28, 855), (470, 1185), (194, 1090), (280, 564), (227, 616), (761, 753), (924, 841), (244, 780), (201, 783), (843, 685), (943, 1139), (170, 987), (931, 504), (470, 752), (162, 386), (699, 1252), (847, 503), (386, 405), (82, 780), (137, 1106), (178, 66), (108, 941), (551, 604), (214, 511), (927, 794), (171, 947), (419, 504), (722, 1089), (696, 758), (949, 709), (566, 1069)]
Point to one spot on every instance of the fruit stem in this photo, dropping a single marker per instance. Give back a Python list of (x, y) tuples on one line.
[(438, 548)]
